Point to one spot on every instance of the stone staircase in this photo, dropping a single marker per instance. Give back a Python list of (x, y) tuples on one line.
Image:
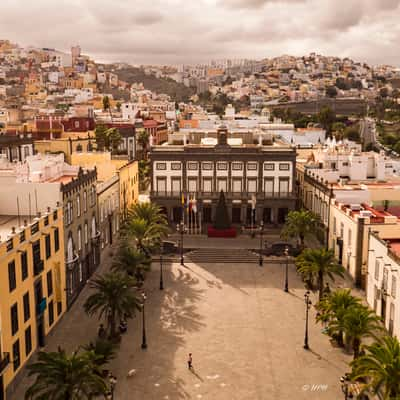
[(229, 256)]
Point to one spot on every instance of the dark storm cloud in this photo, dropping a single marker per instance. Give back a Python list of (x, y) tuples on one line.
[(175, 31)]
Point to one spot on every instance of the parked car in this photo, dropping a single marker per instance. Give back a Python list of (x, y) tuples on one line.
[(278, 249)]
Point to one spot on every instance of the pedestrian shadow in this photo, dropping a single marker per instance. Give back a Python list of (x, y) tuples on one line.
[(316, 354), (192, 370)]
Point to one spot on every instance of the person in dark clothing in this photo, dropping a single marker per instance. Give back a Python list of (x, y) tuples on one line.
[(190, 361)]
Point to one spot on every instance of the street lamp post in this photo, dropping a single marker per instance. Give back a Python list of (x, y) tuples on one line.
[(308, 305), (345, 382), (260, 262), (181, 229), (161, 268), (144, 341), (286, 270)]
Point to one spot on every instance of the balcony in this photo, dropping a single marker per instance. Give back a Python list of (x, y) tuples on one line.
[(96, 238), (228, 195), (38, 267), (4, 361), (71, 265)]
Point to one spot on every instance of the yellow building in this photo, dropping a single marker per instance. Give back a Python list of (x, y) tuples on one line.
[(128, 186), (32, 288), (67, 145)]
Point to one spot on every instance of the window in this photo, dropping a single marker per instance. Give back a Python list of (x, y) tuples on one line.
[(10, 244), (269, 186), (56, 240), (79, 238), (59, 308), (284, 167), (51, 313), (24, 265), (12, 280), (334, 225), (376, 269), (222, 184), (78, 206), (28, 341), (207, 185), (14, 319), (349, 237), (16, 355), (86, 233), (192, 166), (341, 229), (46, 220), (48, 246), (176, 166), (27, 308), (269, 166), (393, 287), (237, 166), (161, 166), (161, 185), (49, 284), (252, 185), (207, 166), (22, 237), (237, 185), (80, 264), (252, 166), (84, 201), (222, 166)]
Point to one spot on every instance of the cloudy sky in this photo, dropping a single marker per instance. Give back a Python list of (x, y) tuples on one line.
[(181, 31)]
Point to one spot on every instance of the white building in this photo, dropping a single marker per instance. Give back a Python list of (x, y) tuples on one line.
[(348, 235), (383, 280)]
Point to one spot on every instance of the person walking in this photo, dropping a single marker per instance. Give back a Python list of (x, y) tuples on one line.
[(190, 361)]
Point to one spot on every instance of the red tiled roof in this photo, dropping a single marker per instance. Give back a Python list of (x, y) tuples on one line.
[(150, 123)]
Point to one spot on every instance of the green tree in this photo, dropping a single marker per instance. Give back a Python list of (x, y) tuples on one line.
[(332, 310), (331, 91), (106, 103), (60, 376), (101, 351), (144, 174), (338, 129), (300, 224), (143, 141), (144, 235), (118, 105), (316, 264), (151, 213), (352, 133), (326, 117), (113, 138), (222, 220), (380, 368), (114, 297), (358, 323), (101, 136), (131, 261)]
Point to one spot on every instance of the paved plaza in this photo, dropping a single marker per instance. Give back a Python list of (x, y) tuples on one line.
[(246, 335)]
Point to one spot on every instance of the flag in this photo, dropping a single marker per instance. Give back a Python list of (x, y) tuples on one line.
[(194, 205), (253, 201)]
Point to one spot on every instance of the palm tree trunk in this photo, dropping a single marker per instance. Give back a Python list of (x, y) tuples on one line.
[(356, 347), (302, 244), (112, 324), (320, 284), (340, 340)]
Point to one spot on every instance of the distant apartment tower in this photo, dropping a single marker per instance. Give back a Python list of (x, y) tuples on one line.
[(75, 53)]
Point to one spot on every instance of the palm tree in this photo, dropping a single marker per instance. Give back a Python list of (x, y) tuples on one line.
[(131, 261), (333, 308), (300, 224), (358, 323), (146, 236), (114, 298), (102, 351), (315, 264), (150, 212), (380, 367), (60, 376)]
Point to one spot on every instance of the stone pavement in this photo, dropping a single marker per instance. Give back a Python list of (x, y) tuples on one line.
[(246, 335)]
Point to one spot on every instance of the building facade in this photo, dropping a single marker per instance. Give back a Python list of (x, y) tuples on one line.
[(108, 210), (81, 234), (383, 280), (252, 177), (128, 186), (32, 287), (16, 148)]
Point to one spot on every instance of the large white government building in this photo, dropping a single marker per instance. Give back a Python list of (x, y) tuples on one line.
[(252, 176)]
